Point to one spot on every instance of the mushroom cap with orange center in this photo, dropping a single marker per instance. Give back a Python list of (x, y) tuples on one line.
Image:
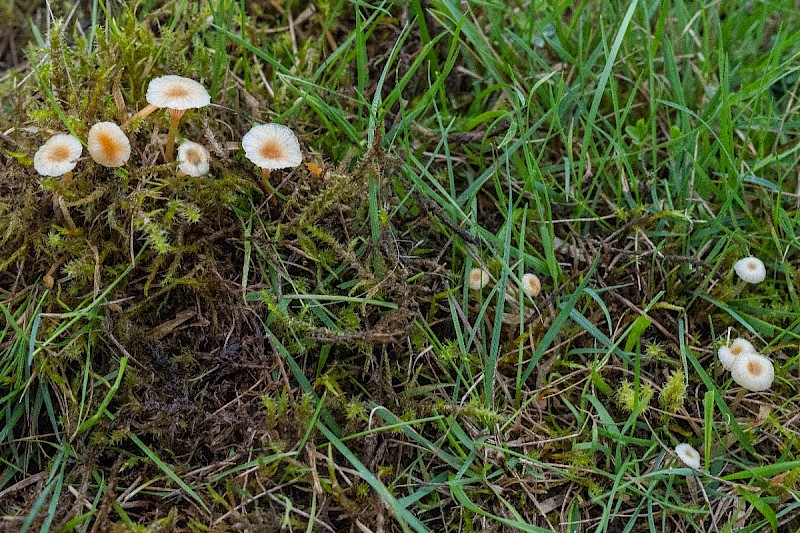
[(272, 146), (750, 269), (193, 158), (479, 278), (176, 92), (531, 285), (754, 372), (728, 354), (688, 455), (58, 155), (108, 144)]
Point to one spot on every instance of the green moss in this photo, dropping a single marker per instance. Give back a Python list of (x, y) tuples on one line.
[(673, 394), (628, 400)]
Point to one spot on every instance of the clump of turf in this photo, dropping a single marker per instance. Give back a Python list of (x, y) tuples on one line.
[(170, 300)]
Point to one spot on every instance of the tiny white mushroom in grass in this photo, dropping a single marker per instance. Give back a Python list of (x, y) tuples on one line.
[(688, 455), (272, 146), (58, 156), (479, 278), (177, 94), (753, 372), (750, 269), (108, 145), (728, 354), (193, 159), (531, 285)]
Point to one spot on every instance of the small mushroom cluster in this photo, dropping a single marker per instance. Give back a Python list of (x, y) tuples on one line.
[(751, 370), (268, 146), (513, 307), (748, 368), (480, 278)]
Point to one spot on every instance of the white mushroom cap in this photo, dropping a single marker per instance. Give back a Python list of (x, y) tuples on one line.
[(108, 144), (176, 92), (688, 455), (728, 355), (531, 285), (479, 278), (750, 269), (754, 372), (272, 146), (193, 158), (58, 155)]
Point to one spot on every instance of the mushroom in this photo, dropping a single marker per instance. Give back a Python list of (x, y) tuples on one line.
[(750, 269), (108, 145), (754, 372), (57, 157), (272, 146), (688, 455), (177, 94), (193, 158), (531, 285), (728, 355), (479, 278)]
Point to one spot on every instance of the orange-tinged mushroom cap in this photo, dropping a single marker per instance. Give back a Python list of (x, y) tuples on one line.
[(754, 372), (58, 155), (272, 146), (193, 158), (176, 92), (108, 144)]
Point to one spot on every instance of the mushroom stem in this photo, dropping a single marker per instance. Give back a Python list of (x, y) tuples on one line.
[(265, 178), (512, 294), (273, 200), (58, 201), (737, 399), (48, 280), (174, 118), (60, 206), (143, 112)]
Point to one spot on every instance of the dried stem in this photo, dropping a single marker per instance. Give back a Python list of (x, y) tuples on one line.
[(60, 206)]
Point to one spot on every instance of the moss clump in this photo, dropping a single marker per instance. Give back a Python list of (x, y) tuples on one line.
[(673, 394), (627, 397)]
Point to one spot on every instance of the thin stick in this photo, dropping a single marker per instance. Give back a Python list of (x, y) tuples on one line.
[(58, 203), (737, 399)]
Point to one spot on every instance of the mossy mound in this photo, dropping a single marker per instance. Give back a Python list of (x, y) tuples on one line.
[(176, 293)]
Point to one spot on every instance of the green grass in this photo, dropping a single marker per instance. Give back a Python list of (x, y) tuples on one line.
[(218, 353)]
